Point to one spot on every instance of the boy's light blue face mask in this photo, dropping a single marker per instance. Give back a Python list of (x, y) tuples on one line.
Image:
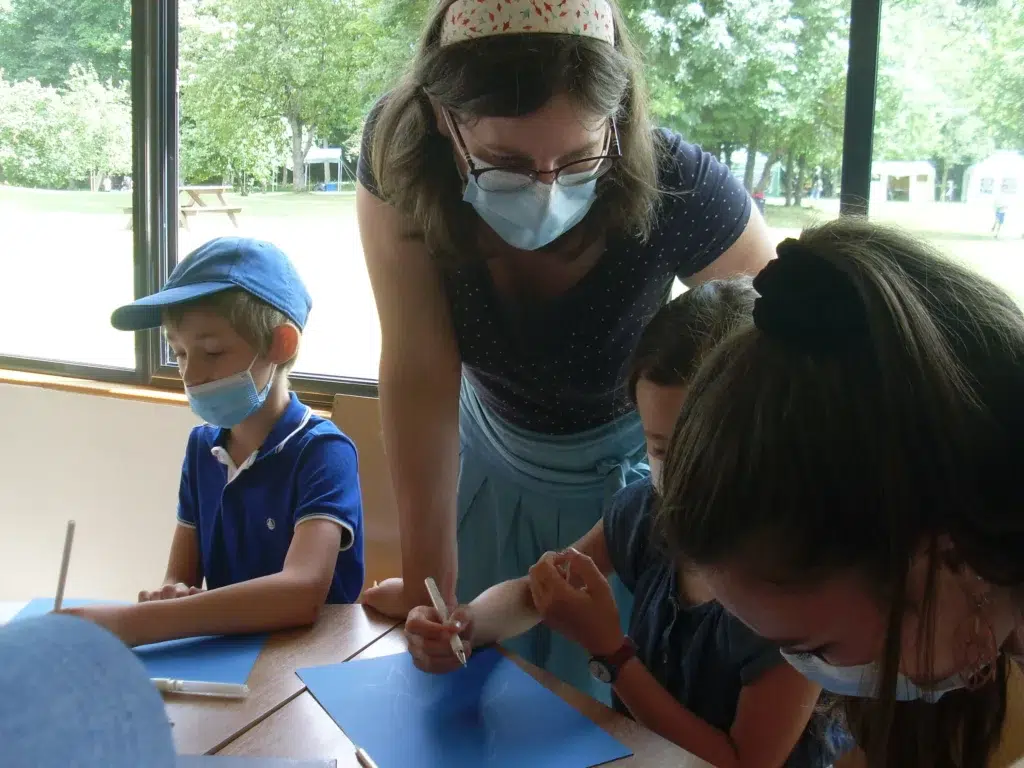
[(534, 216), (229, 401), (862, 680)]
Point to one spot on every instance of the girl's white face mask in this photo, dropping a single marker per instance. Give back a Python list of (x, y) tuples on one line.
[(861, 680), (657, 466)]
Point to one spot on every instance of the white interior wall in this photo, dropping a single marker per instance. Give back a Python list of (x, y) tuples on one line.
[(110, 464)]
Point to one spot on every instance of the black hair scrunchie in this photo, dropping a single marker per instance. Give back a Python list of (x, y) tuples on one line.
[(807, 302)]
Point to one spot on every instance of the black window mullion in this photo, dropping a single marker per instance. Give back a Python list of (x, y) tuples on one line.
[(859, 123), (158, 156)]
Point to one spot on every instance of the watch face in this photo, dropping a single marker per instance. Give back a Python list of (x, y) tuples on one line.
[(600, 671)]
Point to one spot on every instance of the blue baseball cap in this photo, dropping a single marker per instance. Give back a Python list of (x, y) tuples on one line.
[(255, 266)]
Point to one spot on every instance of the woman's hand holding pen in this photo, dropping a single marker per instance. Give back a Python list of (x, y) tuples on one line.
[(430, 640)]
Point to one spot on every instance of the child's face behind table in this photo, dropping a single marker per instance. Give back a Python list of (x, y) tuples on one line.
[(207, 348), (659, 408)]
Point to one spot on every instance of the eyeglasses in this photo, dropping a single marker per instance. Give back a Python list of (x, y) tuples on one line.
[(514, 178)]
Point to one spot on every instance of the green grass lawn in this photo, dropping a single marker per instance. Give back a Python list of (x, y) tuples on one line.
[(961, 231), (67, 263), (256, 204)]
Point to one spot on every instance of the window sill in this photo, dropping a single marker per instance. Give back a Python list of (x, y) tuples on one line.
[(103, 388), (92, 387)]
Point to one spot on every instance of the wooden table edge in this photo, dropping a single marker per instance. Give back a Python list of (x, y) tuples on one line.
[(303, 688)]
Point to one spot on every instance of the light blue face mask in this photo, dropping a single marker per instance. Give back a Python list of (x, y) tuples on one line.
[(534, 216), (862, 680), (229, 401)]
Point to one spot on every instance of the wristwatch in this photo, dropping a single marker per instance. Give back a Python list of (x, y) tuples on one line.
[(606, 668)]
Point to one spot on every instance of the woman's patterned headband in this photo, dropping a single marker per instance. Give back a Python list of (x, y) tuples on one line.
[(470, 19)]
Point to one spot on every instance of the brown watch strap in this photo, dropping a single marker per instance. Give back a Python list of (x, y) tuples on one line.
[(626, 652)]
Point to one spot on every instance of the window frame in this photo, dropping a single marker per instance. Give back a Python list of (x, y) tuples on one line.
[(154, 88)]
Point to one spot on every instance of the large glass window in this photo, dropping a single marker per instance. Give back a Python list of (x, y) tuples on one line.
[(949, 132), (272, 98), (268, 118), (761, 85), (65, 180)]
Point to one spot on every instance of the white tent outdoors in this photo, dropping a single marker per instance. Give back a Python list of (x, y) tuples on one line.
[(903, 180), (327, 156), (998, 175)]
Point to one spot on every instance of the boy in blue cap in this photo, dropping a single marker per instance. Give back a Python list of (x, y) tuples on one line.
[(269, 508)]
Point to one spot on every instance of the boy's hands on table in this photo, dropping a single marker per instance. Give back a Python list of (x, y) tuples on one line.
[(430, 640), (116, 619), (575, 599), (122, 620), (169, 592)]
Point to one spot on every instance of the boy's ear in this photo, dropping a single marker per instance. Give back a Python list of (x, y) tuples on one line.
[(284, 345)]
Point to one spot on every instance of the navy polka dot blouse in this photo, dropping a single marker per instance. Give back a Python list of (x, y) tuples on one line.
[(560, 368)]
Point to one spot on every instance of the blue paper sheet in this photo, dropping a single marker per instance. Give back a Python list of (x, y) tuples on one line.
[(490, 713), (218, 761), (227, 659)]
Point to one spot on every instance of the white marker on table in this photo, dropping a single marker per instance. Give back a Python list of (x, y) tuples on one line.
[(442, 612), (69, 536), (364, 758), (199, 688)]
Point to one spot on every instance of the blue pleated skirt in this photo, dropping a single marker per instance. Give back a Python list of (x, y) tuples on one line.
[(522, 494)]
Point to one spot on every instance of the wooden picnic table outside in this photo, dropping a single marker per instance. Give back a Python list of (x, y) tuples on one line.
[(196, 204), (197, 193)]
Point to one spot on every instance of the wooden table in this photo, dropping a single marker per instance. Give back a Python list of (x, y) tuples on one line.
[(303, 730), (197, 193), (197, 204), (280, 718), (202, 726)]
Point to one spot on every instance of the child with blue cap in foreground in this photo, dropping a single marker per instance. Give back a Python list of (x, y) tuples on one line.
[(72, 695), (269, 507)]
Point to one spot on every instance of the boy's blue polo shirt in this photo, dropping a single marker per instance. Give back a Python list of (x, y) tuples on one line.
[(245, 517)]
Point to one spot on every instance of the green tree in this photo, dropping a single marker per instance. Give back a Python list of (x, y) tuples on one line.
[(1000, 77), (54, 138), (43, 39), (219, 136), (811, 121), (714, 66), (927, 97), (316, 65), (767, 76), (36, 142), (101, 117)]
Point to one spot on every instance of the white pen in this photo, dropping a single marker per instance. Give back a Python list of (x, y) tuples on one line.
[(442, 613), (364, 758), (199, 688), (69, 536)]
